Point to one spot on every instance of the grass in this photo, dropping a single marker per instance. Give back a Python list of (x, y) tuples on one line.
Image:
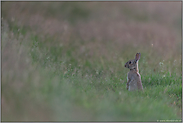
[(80, 76)]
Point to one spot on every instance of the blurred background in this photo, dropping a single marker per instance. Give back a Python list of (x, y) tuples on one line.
[(64, 61)]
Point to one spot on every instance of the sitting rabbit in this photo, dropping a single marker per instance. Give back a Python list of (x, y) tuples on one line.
[(133, 77)]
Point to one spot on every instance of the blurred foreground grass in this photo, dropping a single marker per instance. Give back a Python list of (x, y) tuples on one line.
[(60, 63)]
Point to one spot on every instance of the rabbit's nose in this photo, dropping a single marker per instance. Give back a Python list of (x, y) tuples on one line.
[(125, 65)]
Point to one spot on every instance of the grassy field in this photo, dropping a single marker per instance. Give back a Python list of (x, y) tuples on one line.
[(64, 61)]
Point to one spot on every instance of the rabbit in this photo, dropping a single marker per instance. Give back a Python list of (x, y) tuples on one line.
[(133, 76)]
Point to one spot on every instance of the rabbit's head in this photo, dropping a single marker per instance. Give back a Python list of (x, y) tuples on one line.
[(133, 64)]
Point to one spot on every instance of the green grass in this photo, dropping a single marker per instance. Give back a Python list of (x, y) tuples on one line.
[(67, 83), (55, 80)]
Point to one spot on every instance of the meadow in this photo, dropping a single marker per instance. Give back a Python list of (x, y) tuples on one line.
[(64, 61)]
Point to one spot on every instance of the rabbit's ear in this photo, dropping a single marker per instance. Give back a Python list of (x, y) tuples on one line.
[(137, 57)]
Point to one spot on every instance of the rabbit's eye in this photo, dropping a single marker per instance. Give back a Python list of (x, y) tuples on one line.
[(129, 62)]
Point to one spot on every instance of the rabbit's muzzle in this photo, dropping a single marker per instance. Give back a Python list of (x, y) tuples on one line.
[(126, 65)]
